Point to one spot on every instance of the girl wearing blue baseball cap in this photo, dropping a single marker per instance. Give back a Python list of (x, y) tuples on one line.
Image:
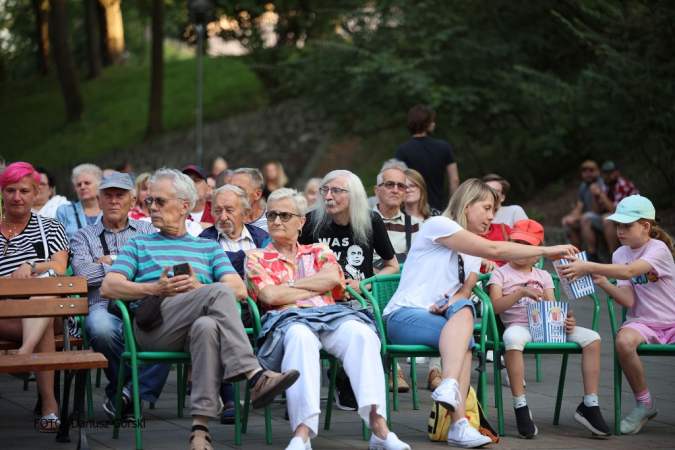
[(645, 272)]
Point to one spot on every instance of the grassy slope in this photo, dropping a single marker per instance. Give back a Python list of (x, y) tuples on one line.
[(32, 113)]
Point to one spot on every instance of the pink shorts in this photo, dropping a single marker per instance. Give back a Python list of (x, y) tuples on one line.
[(653, 335)]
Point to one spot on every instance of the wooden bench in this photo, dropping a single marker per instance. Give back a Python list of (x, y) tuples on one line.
[(53, 303)]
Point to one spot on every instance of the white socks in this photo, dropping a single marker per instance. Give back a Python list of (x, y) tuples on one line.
[(519, 402), (591, 400)]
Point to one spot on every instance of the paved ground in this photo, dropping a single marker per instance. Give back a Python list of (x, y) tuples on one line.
[(163, 430)]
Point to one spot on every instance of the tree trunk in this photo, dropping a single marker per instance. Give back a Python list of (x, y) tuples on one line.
[(103, 29), (41, 9), (93, 38), (65, 66), (157, 71), (114, 30)]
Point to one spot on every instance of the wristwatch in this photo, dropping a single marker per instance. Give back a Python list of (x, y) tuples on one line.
[(291, 283), (113, 258), (32, 266)]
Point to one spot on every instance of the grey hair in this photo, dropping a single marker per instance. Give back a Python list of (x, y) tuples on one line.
[(392, 163), (183, 186), (87, 168), (254, 174), (297, 197), (239, 192), (359, 213)]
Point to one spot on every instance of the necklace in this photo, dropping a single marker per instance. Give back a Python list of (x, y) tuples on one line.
[(11, 232), (284, 251)]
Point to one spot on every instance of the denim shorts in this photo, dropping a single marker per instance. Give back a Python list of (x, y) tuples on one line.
[(417, 326)]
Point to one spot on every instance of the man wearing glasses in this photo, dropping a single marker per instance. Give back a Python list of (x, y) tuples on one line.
[(343, 221), (197, 309), (95, 249), (401, 227), (585, 205)]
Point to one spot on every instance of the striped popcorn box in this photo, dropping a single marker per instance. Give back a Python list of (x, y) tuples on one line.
[(546, 321), (582, 287)]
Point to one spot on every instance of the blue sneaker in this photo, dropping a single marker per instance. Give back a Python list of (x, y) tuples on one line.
[(639, 416)]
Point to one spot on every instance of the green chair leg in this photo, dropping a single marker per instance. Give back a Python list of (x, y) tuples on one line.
[(394, 374), (237, 414), (499, 404), (25, 384), (98, 377), (386, 395), (561, 388), (268, 425), (538, 359), (617, 394), (413, 381), (247, 402), (331, 389), (180, 387), (366, 433)]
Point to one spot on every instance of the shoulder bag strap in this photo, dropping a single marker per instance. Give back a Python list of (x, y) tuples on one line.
[(104, 244), (408, 232), (44, 238), (506, 236), (77, 216)]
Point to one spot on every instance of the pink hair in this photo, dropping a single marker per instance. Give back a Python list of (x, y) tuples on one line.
[(17, 171)]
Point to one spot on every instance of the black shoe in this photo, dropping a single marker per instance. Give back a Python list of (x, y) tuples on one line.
[(343, 393), (127, 410), (526, 428), (591, 418)]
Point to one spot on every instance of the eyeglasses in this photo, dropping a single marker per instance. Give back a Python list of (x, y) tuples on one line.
[(391, 185), (284, 216), (336, 191), (462, 275), (161, 202), (412, 187)]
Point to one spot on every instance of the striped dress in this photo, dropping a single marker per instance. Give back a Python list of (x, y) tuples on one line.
[(144, 257)]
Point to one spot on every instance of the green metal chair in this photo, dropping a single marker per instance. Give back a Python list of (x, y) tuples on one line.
[(642, 350), (495, 342), (135, 357), (382, 288)]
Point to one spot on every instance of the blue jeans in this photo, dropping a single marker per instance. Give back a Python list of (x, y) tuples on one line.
[(417, 326), (106, 336)]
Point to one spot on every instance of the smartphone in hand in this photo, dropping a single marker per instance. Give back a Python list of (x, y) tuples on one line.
[(441, 302), (181, 269)]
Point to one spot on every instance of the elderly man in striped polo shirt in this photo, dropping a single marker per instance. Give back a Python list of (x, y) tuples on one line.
[(95, 248), (198, 311)]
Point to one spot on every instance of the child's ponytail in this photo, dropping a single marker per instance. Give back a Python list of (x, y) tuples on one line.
[(656, 232)]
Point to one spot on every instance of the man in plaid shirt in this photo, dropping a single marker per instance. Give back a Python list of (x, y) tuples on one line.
[(605, 199)]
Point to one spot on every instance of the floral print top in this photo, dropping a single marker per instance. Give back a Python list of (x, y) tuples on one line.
[(265, 267)]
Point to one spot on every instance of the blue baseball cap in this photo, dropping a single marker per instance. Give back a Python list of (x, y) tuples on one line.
[(633, 208)]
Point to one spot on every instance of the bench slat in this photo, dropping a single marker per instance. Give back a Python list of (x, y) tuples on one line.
[(76, 359), (44, 307), (11, 345), (58, 286)]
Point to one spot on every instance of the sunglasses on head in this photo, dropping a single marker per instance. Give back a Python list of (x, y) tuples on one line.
[(284, 216), (462, 275)]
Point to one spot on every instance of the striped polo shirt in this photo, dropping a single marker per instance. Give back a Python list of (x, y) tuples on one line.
[(144, 257)]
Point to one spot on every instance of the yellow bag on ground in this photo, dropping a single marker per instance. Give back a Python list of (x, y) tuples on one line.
[(439, 420)]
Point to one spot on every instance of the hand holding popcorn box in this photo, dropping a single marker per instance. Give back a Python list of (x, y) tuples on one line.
[(547, 321), (582, 287)]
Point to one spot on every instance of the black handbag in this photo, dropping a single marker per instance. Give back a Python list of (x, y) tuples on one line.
[(149, 313)]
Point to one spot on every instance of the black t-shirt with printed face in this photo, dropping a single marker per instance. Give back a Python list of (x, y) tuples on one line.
[(430, 157), (356, 260)]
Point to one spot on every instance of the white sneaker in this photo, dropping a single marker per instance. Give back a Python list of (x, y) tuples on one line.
[(507, 382), (418, 360), (297, 444), (391, 443), (447, 394), (489, 356), (463, 435)]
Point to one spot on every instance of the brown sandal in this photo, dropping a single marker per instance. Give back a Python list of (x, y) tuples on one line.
[(196, 444)]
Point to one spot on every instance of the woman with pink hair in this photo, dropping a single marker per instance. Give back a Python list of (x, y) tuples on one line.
[(30, 245)]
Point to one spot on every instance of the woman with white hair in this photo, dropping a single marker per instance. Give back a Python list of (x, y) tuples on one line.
[(431, 305), (76, 215), (297, 286)]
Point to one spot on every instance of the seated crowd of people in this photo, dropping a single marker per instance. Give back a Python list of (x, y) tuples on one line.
[(301, 258)]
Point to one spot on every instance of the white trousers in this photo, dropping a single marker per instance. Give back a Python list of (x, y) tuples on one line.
[(357, 346)]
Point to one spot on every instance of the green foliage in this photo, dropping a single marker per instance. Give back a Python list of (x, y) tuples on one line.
[(527, 89), (32, 115)]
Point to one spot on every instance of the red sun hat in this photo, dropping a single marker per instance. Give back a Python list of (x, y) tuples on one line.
[(529, 231)]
